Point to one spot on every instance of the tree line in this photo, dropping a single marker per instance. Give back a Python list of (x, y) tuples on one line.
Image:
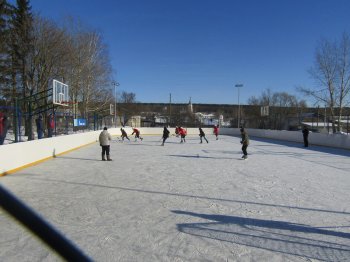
[(331, 72), (34, 50)]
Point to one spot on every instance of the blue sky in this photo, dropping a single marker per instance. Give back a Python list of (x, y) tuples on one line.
[(202, 48)]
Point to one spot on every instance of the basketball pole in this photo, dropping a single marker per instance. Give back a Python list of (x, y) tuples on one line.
[(239, 106), (115, 102)]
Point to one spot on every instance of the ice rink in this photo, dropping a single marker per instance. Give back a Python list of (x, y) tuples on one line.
[(188, 202)]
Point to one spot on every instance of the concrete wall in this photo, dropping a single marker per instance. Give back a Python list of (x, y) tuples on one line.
[(16, 156)]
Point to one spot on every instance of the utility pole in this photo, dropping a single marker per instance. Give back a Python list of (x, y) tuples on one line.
[(170, 110), (115, 102), (239, 106)]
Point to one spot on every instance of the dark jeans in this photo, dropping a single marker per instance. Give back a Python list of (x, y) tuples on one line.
[(40, 134), (105, 150), (244, 149), (49, 132), (306, 141), (204, 138), (2, 139)]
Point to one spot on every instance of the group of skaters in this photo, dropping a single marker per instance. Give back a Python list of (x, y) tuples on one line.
[(135, 132), (105, 138), (181, 132)]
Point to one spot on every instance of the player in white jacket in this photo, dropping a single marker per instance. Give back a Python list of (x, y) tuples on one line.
[(104, 139)]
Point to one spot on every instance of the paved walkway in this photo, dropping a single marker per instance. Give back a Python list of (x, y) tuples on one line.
[(188, 202)]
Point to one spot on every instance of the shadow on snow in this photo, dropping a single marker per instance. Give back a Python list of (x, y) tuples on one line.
[(184, 195), (277, 236)]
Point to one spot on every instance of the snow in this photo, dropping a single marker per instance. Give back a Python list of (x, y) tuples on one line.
[(189, 202)]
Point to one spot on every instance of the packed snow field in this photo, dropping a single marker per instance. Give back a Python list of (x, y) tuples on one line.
[(189, 202)]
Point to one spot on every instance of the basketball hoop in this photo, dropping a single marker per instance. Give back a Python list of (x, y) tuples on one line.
[(60, 98), (60, 94)]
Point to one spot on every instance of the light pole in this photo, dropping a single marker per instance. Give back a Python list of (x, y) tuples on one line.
[(115, 102), (170, 111), (239, 106)]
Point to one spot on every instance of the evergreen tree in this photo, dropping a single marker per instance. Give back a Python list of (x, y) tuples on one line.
[(21, 49), (22, 43), (5, 13)]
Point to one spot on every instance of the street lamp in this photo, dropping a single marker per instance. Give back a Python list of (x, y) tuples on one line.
[(115, 102), (239, 106)]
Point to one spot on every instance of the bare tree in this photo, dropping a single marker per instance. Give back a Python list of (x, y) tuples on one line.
[(88, 70), (331, 71), (282, 105), (128, 98), (127, 106), (48, 55), (343, 89), (264, 100)]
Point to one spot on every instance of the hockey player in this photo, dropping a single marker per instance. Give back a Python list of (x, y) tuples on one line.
[(202, 135), (182, 133), (306, 136), (177, 131), (244, 142), (124, 134), (137, 134), (166, 133), (216, 131)]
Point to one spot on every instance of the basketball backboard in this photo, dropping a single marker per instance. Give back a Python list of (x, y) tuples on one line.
[(60, 93), (264, 111)]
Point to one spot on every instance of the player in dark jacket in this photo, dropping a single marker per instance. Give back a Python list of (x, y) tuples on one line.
[(166, 133), (202, 135), (124, 134), (244, 142), (39, 126), (306, 136)]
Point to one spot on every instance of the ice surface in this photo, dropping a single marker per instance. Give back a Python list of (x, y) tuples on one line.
[(189, 202)]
